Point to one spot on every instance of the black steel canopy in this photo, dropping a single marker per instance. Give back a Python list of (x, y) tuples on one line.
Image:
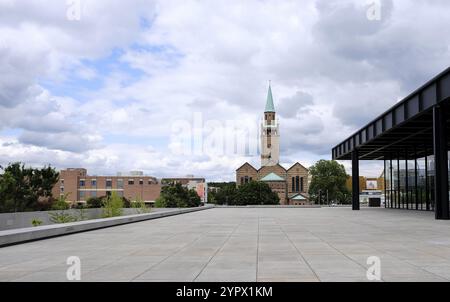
[(405, 130)]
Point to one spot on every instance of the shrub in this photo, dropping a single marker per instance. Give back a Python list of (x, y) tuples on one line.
[(61, 215), (127, 203), (61, 204), (36, 222), (140, 205), (95, 202), (113, 206), (81, 208)]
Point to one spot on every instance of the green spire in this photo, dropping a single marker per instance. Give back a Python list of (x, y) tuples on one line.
[(269, 105)]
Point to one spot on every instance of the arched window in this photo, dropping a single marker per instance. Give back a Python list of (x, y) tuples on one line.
[(302, 189), (297, 184)]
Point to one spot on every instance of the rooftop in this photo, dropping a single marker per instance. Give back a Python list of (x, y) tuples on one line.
[(246, 244), (405, 130), (272, 177), (270, 107)]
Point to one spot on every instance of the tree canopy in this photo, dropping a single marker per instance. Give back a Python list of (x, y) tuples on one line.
[(328, 177), (226, 194), (26, 189), (253, 193), (177, 196)]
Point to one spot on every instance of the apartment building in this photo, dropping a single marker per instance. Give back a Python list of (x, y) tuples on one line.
[(79, 186)]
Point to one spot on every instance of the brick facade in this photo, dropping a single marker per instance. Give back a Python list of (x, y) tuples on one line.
[(284, 188), (79, 186)]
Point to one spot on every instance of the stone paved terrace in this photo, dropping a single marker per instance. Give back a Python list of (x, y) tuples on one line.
[(231, 244)]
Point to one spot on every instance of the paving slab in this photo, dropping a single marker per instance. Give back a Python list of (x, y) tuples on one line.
[(246, 244)]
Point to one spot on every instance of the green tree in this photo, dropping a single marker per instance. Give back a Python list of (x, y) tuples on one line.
[(328, 178), (113, 206), (256, 193), (193, 199), (177, 196), (226, 195), (26, 189)]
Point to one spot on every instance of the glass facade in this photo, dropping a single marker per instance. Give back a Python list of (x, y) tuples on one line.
[(409, 183)]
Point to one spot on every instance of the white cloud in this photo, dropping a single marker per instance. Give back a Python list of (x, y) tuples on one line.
[(332, 71)]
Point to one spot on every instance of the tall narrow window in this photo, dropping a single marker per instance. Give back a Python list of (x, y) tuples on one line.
[(120, 184), (297, 184), (293, 184), (302, 189)]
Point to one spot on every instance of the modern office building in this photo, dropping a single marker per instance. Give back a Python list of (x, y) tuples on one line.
[(79, 186), (412, 138)]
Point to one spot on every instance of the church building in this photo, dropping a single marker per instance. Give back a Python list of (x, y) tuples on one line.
[(290, 184)]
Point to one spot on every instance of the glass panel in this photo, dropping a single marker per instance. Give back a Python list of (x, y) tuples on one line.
[(412, 185), (394, 182), (402, 184), (387, 175), (431, 173), (421, 184)]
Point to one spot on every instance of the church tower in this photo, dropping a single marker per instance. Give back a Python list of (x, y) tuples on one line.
[(270, 135)]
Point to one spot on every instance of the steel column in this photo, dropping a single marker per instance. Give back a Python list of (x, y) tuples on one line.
[(441, 163), (355, 180)]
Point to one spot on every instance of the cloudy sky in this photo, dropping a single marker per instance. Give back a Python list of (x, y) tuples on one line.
[(117, 85)]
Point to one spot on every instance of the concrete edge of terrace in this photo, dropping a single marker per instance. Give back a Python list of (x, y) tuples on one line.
[(270, 207), (18, 236)]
